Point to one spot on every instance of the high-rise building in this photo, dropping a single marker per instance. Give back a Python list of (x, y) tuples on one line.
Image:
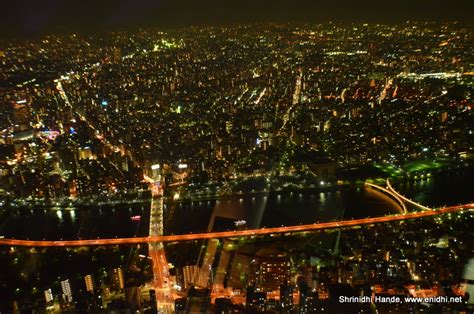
[(259, 300), (443, 116), (179, 278), (133, 297), (22, 114), (228, 126), (309, 274), (85, 153), (117, 278), (152, 293), (189, 273), (304, 291), (273, 274), (48, 295), (255, 299), (286, 296), (89, 280), (66, 289)]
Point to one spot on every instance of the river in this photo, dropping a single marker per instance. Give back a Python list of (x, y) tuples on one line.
[(258, 209)]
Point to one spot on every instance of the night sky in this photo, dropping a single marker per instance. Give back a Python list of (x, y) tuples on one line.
[(31, 18)]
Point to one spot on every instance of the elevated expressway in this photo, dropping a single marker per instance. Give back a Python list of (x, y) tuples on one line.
[(391, 193), (404, 199), (156, 251), (156, 238), (239, 233)]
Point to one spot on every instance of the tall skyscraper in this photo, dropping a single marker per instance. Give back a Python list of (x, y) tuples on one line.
[(48, 295), (89, 280), (152, 293), (66, 289), (189, 273), (117, 278), (133, 297), (273, 274), (286, 296)]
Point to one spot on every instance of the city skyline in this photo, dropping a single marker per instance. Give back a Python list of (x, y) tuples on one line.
[(200, 157)]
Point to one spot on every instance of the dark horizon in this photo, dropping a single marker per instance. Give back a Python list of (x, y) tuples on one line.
[(29, 19)]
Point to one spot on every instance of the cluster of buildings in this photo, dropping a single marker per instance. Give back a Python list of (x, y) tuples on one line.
[(307, 273), (95, 116), (232, 101), (97, 292), (41, 159)]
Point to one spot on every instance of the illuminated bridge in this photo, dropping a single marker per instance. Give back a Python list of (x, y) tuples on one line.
[(239, 233), (155, 240)]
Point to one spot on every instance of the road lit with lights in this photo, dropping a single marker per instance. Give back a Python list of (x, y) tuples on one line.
[(238, 233)]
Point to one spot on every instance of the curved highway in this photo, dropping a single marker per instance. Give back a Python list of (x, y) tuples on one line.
[(391, 193), (235, 234), (391, 189)]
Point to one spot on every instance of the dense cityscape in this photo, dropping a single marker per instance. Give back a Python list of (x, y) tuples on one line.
[(152, 133)]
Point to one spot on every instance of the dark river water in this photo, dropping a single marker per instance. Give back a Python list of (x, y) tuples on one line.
[(447, 188), (86, 222), (276, 208), (265, 207), (257, 208)]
